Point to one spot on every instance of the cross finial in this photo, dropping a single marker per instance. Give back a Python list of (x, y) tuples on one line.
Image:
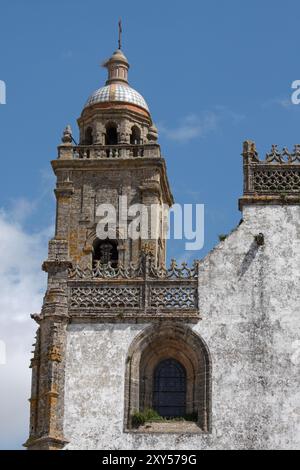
[(120, 33)]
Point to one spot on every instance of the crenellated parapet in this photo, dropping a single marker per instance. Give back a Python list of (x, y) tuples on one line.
[(274, 180)]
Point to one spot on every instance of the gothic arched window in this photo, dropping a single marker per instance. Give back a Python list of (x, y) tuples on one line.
[(106, 251), (169, 389), (168, 368), (111, 136)]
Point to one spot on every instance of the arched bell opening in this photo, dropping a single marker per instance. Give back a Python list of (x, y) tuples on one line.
[(135, 136), (105, 251), (111, 135), (88, 136)]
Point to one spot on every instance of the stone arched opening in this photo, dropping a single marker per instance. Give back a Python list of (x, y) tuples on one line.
[(111, 135), (88, 136), (135, 136), (91, 247), (169, 341), (105, 251)]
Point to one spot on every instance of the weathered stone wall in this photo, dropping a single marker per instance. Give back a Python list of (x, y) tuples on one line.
[(249, 301), (81, 190)]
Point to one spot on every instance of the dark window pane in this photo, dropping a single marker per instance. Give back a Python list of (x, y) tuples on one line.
[(169, 392)]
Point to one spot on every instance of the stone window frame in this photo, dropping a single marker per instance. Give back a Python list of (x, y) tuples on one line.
[(133, 130), (96, 253), (91, 238), (158, 342)]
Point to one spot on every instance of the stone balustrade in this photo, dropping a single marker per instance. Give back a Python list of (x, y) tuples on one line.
[(121, 151)]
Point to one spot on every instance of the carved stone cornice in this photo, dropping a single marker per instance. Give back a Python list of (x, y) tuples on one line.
[(64, 190), (119, 165), (268, 200), (56, 265), (151, 188), (46, 443), (125, 110)]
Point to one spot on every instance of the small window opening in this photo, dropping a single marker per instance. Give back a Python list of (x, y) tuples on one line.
[(106, 251)]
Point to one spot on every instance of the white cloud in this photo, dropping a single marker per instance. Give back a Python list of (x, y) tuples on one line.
[(22, 285), (285, 103), (21, 209), (191, 126), (198, 126)]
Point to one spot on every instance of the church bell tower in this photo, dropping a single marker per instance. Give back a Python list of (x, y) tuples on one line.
[(105, 284), (117, 162)]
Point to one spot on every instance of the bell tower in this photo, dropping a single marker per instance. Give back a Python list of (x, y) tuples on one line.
[(118, 162), (101, 272)]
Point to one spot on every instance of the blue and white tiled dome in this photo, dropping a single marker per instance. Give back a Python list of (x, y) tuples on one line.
[(116, 92)]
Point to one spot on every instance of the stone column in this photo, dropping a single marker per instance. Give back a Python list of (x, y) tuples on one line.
[(47, 400), (151, 196), (63, 193)]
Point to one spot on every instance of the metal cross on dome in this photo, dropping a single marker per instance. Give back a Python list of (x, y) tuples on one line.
[(120, 33)]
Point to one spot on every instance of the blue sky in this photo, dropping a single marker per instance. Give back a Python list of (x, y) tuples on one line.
[(214, 73)]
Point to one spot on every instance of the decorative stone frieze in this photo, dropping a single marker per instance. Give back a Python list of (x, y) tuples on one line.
[(275, 180), (143, 290)]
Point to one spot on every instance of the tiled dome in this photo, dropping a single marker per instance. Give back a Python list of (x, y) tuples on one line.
[(116, 92)]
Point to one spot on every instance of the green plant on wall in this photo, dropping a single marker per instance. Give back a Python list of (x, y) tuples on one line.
[(139, 418)]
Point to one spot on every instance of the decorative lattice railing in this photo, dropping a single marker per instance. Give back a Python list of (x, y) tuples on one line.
[(138, 291), (278, 174)]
